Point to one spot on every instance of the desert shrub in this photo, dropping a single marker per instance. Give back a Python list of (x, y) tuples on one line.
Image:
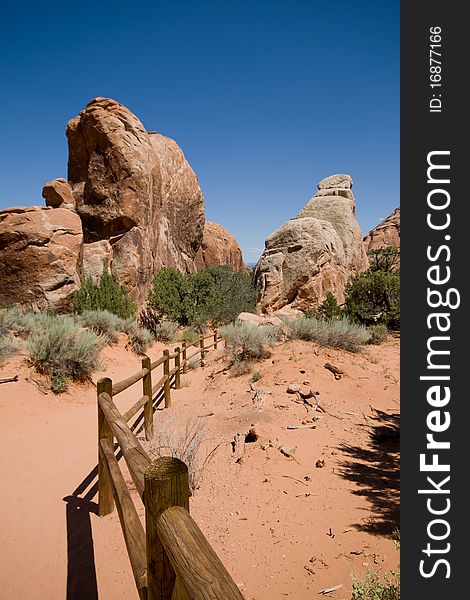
[(378, 333), (170, 296), (165, 331), (139, 337), (228, 293), (329, 309), (246, 343), (372, 587), (103, 323), (256, 377), (182, 439), (330, 333), (108, 295), (8, 346), (215, 295), (58, 348), (374, 297), (10, 320), (384, 259), (189, 336)]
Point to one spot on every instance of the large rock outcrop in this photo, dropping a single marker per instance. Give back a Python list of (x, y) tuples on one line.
[(314, 253), (39, 256), (385, 234), (219, 247), (136, 191)]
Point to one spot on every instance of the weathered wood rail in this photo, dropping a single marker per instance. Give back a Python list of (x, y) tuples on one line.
[(171, 559)]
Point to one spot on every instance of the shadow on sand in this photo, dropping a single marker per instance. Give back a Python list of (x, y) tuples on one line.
[(375, 470), (81, 570)]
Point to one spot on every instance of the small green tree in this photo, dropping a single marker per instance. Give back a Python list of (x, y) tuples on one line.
[(216, 295), (170, 296), (108, 295), (374, 297), (384, 259)]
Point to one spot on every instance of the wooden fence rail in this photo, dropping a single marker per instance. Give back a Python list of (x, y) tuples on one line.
[(171, 559)]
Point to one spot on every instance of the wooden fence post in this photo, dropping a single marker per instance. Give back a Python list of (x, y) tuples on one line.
[(105, 490), (166, 385), (166, 484), (178, 369), (215, 339), (201, 345), (147, 391), (185, 365)]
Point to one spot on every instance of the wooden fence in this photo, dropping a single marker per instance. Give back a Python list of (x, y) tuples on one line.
[(171, 559)]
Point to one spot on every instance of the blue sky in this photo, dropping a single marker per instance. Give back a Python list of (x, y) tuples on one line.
[(265, 97)]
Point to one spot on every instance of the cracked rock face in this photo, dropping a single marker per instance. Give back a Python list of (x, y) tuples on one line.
[(313, 254), (134, 190), (39, 255)]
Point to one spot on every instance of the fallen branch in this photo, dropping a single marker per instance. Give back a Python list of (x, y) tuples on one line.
[(337, 372), (295, 479), (9, 379), (301, 427), (331, 589)]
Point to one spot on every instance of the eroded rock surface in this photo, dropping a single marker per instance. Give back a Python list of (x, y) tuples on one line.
[(135, 190), (314, 253), (219, 247), (385, 234), (39, 254)]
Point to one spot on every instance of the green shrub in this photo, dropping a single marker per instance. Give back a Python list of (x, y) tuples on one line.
[(379, 333), (108, 295), (103, 323), (190, 336), (216, 295), (59, 349), (330, 333), (228, 294), (374, 297), (372, 587), (329, 309), (170, 296), (384, 259), (8, 346)]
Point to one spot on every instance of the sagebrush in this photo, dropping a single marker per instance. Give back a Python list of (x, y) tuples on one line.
[(330, 333), (60, 349), (246, 342), (373, 587)]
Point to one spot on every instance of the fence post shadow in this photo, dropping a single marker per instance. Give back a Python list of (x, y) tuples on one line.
[(81, 571)]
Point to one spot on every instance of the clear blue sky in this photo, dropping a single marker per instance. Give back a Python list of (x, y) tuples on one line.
[(265, 97)]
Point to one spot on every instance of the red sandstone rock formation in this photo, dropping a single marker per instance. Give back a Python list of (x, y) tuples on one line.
[(219, 247)]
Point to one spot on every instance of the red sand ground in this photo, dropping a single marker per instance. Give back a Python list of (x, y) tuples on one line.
[(283, 527)]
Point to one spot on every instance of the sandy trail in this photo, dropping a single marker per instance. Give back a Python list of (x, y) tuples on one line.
[(283, 527)]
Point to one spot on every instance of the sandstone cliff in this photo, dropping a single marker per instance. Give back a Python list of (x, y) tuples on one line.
[(314, 253), (131, 201), (385, 234), (219, 247)]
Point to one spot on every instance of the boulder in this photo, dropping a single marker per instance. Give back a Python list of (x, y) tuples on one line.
[(57, 193), (313, 254), (219, 247), (39, 255), (385, 234), (136, 191), (259, 321)]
